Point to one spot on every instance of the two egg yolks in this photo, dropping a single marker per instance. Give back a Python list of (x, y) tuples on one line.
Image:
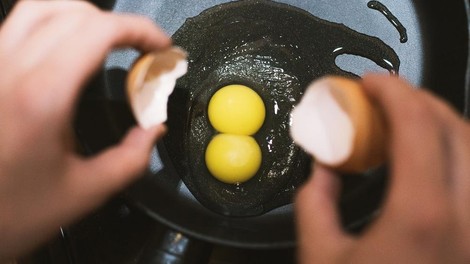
[(237, 112)]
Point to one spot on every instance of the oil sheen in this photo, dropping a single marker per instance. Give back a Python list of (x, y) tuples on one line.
[(276, 50)]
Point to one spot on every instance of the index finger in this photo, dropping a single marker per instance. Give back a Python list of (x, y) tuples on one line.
[(79, 56)]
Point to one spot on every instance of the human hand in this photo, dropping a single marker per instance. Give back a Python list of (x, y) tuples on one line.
[(48, 51), (426, 215)]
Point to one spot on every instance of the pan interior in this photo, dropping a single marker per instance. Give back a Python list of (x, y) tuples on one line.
[(435, 56)]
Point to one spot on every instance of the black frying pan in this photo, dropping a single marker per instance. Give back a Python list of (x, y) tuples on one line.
[(435, 57)]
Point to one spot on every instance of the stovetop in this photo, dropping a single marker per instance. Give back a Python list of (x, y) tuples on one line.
[(118, 233)]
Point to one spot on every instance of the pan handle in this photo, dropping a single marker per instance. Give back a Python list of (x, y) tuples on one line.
[(175, 248)]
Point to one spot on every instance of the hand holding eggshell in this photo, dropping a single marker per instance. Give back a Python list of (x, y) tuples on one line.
[(424, 217), (44, 183)]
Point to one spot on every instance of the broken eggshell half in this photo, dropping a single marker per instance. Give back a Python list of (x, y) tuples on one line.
[(339, 126), (150, 82)]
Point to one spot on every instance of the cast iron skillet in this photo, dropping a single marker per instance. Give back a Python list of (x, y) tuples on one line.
[(440, 64)]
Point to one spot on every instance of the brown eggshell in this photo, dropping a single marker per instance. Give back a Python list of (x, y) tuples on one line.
[(370, 140), (370, 133)]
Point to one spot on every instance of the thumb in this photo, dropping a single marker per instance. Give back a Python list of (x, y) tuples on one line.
[(321, 238), (118, 166)]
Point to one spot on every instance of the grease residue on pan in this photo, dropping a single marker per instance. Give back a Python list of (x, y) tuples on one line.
[(277, 50), (391, 17)]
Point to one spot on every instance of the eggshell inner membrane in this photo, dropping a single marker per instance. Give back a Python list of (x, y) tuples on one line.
[(150, 103), (321, 127)]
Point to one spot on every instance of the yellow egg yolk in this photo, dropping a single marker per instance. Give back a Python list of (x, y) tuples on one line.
[(233, 158), (236, 109)]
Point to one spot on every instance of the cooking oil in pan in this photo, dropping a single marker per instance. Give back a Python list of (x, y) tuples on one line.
[(276, 50), (393, 19)]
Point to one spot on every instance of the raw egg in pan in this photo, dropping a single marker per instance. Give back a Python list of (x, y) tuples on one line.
[(276, 50)]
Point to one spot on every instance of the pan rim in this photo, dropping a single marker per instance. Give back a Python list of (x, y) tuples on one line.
[(289, 243)]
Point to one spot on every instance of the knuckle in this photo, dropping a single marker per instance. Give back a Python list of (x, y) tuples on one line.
[(25, 5), (107, 24), (305, 198), (80, 15), (134, 163), (141, 162), (417, 111), (419, 217), (77, 6), (116, 23), (146, 21), (302, 196), (427, 224), (76, 15), (29, 102), (87, 6), (27, 9), (25, 101)]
